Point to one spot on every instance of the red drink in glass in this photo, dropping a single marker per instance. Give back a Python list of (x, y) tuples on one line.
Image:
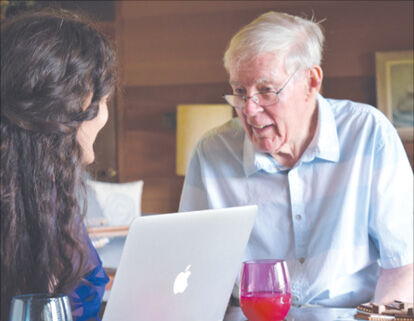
[(265, 290), (265, 306)]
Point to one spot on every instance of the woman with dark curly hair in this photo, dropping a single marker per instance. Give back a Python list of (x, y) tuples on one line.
[(56, 74)]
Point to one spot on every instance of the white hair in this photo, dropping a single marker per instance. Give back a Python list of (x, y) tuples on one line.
[(296, 40)]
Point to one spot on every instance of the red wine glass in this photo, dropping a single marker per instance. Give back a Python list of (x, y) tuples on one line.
[(265, 293)]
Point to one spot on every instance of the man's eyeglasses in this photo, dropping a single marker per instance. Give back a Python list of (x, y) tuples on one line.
[(262, 99)]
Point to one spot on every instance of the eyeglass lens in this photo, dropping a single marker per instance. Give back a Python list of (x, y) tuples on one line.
[(261, 99)]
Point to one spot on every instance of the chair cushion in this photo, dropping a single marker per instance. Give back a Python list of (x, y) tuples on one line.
[(117, 203)]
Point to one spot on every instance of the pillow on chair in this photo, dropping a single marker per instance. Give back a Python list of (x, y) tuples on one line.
[(116, 203)]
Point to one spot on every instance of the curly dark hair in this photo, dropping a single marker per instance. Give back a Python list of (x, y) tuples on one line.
[(52, 61)]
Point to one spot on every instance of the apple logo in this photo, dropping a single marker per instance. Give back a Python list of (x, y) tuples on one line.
[(181, 281)]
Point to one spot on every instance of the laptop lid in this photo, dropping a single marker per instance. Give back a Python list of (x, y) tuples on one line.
[(180, 266)]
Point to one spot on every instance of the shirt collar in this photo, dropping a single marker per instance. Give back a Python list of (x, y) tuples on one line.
[(254, 161), (324, 145)]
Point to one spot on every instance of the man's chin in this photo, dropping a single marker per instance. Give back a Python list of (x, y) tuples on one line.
[(270, 146)]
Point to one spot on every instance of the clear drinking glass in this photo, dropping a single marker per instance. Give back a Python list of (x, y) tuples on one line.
[(265, 293), (40, 307)]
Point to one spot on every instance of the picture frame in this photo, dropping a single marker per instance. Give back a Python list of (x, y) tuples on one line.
[(395, 91)]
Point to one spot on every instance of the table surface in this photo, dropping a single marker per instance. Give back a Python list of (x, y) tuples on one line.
[(320, 314), (303, 314)]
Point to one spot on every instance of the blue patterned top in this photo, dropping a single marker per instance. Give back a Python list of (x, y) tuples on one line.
[(86, 299)]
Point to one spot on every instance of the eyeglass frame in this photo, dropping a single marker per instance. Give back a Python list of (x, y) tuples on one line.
[(246, 98)]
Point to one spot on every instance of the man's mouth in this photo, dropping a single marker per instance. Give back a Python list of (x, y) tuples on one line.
[(261, 126), (261, 129)]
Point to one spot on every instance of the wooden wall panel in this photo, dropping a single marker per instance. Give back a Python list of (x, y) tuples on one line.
[(356, 29), (171, 53), (355, 88), (136, 9), (151, 157), (175, 50), (148, 143), (187, 45)]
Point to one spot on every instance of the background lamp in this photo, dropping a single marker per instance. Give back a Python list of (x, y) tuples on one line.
[(192, 122)]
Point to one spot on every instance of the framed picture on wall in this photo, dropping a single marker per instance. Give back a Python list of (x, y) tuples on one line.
[(395, 91)]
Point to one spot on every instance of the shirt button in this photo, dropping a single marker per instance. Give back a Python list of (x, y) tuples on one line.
[(298, 217), (302, 260)]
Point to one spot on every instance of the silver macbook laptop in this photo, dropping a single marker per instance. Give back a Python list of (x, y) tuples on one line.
[(181, 266)]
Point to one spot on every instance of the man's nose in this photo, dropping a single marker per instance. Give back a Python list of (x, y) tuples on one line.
[(251, 107)]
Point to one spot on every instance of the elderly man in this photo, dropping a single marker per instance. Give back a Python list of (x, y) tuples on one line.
[(331, 178)]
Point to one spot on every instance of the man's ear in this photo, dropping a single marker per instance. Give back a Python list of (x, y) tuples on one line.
[(315, 76)]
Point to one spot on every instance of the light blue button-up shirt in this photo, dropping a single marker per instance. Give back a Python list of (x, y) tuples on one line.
[(342, 211)]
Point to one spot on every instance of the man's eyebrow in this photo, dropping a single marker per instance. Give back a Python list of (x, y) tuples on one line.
[(264, 81), (258, 82)]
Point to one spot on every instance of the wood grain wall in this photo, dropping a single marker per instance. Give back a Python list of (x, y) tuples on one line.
[(171, 53)]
